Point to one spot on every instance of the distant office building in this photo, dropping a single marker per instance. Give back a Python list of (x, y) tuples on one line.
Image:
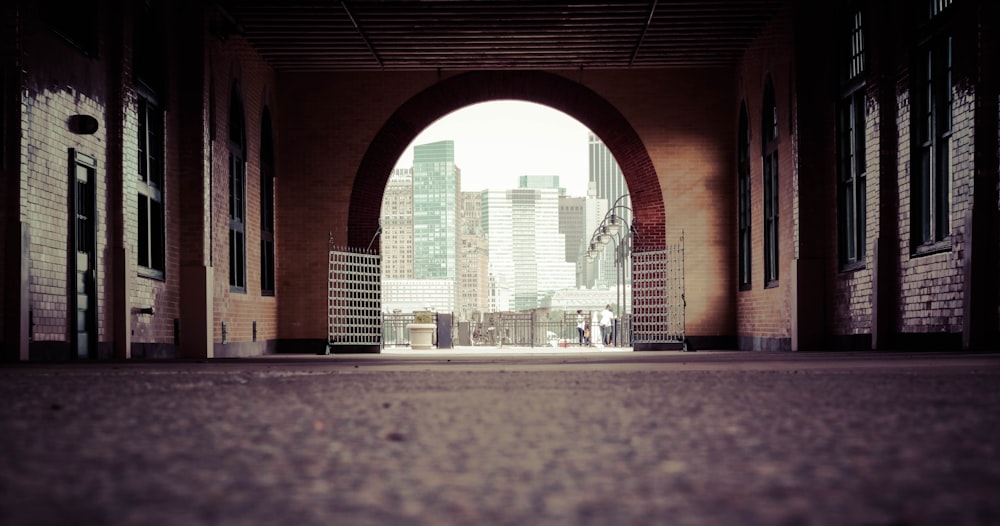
[(496, 222), (409, 295), (606, 174), (572, 215), (397, 226), (435, 209), (594, 211), (609, 184), (473, 259), (527, 252), (540, 181)]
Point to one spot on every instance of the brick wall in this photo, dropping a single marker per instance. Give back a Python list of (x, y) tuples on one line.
[(234, 62), (763, 315), (62, 82)]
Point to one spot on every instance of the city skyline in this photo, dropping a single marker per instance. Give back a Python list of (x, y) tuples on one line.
[(523, 248), (548, 142)]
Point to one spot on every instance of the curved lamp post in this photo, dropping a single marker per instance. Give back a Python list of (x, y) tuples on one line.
[(613, 231)]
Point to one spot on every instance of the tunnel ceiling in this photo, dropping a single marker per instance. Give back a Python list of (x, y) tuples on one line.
[(326, 35)]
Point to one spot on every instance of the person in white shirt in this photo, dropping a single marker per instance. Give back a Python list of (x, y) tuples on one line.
[(607, 325)]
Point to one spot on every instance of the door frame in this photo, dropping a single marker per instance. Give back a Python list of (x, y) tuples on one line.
[(78, 161)]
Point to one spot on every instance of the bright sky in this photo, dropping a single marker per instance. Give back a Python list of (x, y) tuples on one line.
[(497, 142)]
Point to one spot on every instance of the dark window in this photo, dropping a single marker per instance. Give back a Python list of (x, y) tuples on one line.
[(151, 235), (743, 182), (149, 64), (932, 127), (851, 148), (769, 137), (266, 206), (75, 21), (237, 194), (6, 100)]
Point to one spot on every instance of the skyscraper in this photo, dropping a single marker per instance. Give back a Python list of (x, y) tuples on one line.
[(606, 178), (527, 254), (435, 207), (606, 174), (473, 256), (397, 226)]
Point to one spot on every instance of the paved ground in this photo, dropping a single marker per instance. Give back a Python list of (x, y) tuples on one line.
[(508, 437)]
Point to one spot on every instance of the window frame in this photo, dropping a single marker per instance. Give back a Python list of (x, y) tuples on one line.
[(770, 139), (150, 191), (932, 122), (852, 118), (237, 194), (744, 202), (267, 241)]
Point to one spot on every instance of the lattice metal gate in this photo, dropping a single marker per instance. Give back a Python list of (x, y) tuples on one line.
[(658, 301), (354, 305)]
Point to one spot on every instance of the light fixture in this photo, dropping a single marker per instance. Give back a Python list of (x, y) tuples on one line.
[(613, 225)]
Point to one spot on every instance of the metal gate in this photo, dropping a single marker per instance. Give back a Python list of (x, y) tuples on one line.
[(658, 301), (354, 304)]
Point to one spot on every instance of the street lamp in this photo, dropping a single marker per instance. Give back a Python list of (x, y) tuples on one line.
[(610, 231)]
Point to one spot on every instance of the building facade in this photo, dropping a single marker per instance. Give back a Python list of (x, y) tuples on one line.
[(436, 191), (473, 260), (396, 234)]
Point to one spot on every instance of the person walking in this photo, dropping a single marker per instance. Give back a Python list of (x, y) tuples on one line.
[(581, 326), (607, 322)]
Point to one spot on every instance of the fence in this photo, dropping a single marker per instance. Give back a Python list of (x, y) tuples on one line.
[(525, 329)]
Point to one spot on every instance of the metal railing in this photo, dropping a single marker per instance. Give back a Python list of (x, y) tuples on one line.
[(515, 329)]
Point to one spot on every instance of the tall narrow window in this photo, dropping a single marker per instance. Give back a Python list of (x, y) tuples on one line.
[(150, 242), (148, 71), (743, 183), (932, 118), (266, 206), (769, 138), (237, 193), (851, 166)]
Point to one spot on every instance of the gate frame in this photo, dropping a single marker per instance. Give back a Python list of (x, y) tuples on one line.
[(354, 301), (659, 309)]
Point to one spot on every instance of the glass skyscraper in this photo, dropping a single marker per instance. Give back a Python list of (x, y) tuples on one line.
[(435, 207)]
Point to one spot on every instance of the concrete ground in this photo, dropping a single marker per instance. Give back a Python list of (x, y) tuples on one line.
[(506, 437)]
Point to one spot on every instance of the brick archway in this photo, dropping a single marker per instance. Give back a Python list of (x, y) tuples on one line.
[(539, 87)]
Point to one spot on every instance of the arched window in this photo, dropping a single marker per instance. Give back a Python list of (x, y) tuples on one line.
[(237, 193), (266, 205), (769, 141), (743, 184)]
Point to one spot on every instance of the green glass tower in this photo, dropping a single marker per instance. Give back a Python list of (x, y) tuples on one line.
[(435, 207)]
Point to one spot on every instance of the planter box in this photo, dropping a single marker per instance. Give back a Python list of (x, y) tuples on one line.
[(422, 335)]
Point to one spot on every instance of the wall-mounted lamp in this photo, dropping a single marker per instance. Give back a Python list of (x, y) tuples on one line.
[(83, 124)]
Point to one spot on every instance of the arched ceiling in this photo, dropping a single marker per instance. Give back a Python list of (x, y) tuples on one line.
[(353, 35)]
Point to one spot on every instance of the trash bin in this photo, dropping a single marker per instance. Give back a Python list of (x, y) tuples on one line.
[(444, 331)]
